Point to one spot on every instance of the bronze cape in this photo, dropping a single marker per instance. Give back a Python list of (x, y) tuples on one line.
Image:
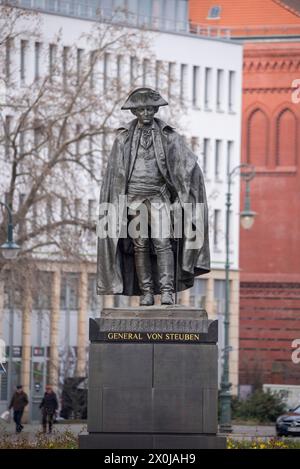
[(115, 266)]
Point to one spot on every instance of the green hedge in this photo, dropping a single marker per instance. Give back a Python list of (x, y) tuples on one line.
[(260, 406)]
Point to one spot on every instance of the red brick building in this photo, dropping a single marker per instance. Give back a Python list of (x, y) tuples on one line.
[(270, 251)]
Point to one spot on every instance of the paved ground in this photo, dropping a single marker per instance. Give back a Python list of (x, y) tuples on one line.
[(239, 431)]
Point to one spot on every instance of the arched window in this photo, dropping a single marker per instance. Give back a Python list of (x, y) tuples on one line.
[(286, 138), (257, 138)]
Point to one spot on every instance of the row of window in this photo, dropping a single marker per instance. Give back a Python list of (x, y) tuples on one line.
[(159, 14), (212, 89), (40, 320), (281, 129), (215, 156), (207, 88), (69, 292), (47, 213)]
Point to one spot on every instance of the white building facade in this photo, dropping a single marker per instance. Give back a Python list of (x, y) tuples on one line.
[(205, 73)]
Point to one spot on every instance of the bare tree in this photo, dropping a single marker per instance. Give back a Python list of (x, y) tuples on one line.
[(55, 128)]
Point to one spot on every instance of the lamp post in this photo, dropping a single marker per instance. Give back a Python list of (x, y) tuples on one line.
[(10, 250), (247, 173)]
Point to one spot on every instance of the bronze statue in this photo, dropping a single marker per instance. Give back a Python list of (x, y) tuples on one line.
[(151, 165)]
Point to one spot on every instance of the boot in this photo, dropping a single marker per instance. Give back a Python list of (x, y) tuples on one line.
[(167, 298), (165, 264), (147, 299), (144, 273)]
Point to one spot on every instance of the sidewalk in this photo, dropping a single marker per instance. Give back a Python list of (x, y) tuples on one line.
[(240, 432)]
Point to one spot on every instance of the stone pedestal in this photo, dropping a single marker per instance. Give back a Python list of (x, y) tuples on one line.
[(153, 380)]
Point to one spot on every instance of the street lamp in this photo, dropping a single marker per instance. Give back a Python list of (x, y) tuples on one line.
[(9, 249), (247, 173)]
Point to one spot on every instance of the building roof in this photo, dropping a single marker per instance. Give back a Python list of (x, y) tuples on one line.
[(249, 17)]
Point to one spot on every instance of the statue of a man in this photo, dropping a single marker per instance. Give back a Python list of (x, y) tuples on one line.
[(151, 165)]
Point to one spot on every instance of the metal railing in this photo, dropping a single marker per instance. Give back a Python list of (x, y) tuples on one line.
[(91, 10)]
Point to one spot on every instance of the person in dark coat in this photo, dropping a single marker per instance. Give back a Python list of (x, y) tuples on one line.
[(151, 165), (49, 405), (18, 403)]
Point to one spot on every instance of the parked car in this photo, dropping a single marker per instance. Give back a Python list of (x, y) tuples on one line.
[(289, 423), (74, 399)]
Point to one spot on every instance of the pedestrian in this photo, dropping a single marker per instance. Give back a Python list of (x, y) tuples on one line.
[(49, 405), (18, 403)]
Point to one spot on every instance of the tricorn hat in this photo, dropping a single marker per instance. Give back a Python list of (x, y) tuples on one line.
[(143, 97)]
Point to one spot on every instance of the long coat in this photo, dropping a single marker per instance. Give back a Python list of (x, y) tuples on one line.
[(116, 272)]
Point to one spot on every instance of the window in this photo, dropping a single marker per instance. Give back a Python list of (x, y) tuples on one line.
[(183, 82), (145, 11), (92, 208), (104, 152), (206, 143), (208, 88), (22, 223), (51, 5), (49, 214), (79, 65), (229, 155), (120, 68), (52, 60), (218, 148), (37, 136), (231, 91), (23, 61), (195, 144), (220, 89), (93, 299), (106, 71), (91, 152), (7, 137), (66, 51), (214, 13), (78, 141), (22, 143), (92, 217), (93, 60), (63, 210), (69, 291), (77, 212), (216, 235), (42, 293), (171, 79), (146, 71), (196, 86), (8, 49), (158, 74), (133, 70), (37, 60), (198, 293)]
